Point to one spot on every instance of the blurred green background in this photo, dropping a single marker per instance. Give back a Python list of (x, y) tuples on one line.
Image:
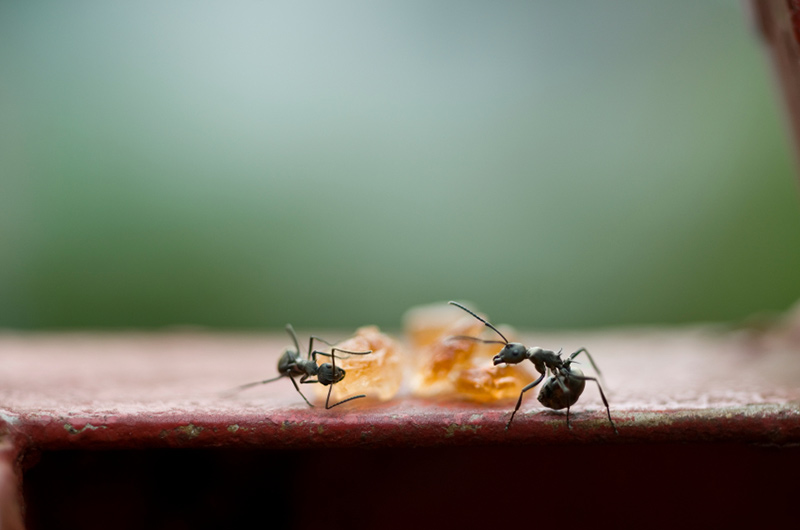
[(244, 165)]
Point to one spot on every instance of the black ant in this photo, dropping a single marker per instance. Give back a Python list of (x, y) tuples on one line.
[(566, 383), (292, 364)]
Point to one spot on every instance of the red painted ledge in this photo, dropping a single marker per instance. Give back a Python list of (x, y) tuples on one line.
[(90, 392), (62, 391)]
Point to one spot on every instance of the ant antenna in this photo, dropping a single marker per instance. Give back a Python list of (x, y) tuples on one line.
[(505, 340), (476, 339)]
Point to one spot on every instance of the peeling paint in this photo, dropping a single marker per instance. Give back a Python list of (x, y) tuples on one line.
[(8, 418), (191, 430), (653, 419), (72, 430), (660, 418), (454, 427)]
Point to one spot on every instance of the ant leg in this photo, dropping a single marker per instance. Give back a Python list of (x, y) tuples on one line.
[(233, 391), (519, 401), (312, 352), (330, 388), (297, 387), (315, 353), (350, 352), (568, 425), (292, 334), (591, 361), (311, 340), (305, 380), (602, 395), (342, 401), (557, 377)]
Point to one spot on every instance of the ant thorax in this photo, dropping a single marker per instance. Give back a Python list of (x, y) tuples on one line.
[(308, 366)]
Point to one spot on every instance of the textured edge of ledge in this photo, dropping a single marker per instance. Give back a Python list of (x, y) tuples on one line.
[(774, 424)]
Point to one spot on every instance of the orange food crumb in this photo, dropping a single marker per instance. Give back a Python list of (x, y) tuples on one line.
[(445, 366), (491, 383), (378, 375)]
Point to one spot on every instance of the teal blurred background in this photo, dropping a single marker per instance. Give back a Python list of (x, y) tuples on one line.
[(244, 165)]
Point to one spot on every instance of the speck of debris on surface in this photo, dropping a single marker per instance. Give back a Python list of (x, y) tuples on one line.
[(191, 430), (453, 427), (72, 430)]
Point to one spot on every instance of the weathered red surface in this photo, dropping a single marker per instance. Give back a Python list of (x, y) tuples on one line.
[(164, 390), (91, 392)]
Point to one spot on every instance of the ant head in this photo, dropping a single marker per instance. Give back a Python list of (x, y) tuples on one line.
[(512, 353), (329, 374)]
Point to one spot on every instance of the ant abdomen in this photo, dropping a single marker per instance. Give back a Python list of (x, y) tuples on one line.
[(552, 394), (288, 361)]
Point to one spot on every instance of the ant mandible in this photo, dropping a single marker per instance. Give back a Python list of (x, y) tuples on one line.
[(566, 383), (292, 364)]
